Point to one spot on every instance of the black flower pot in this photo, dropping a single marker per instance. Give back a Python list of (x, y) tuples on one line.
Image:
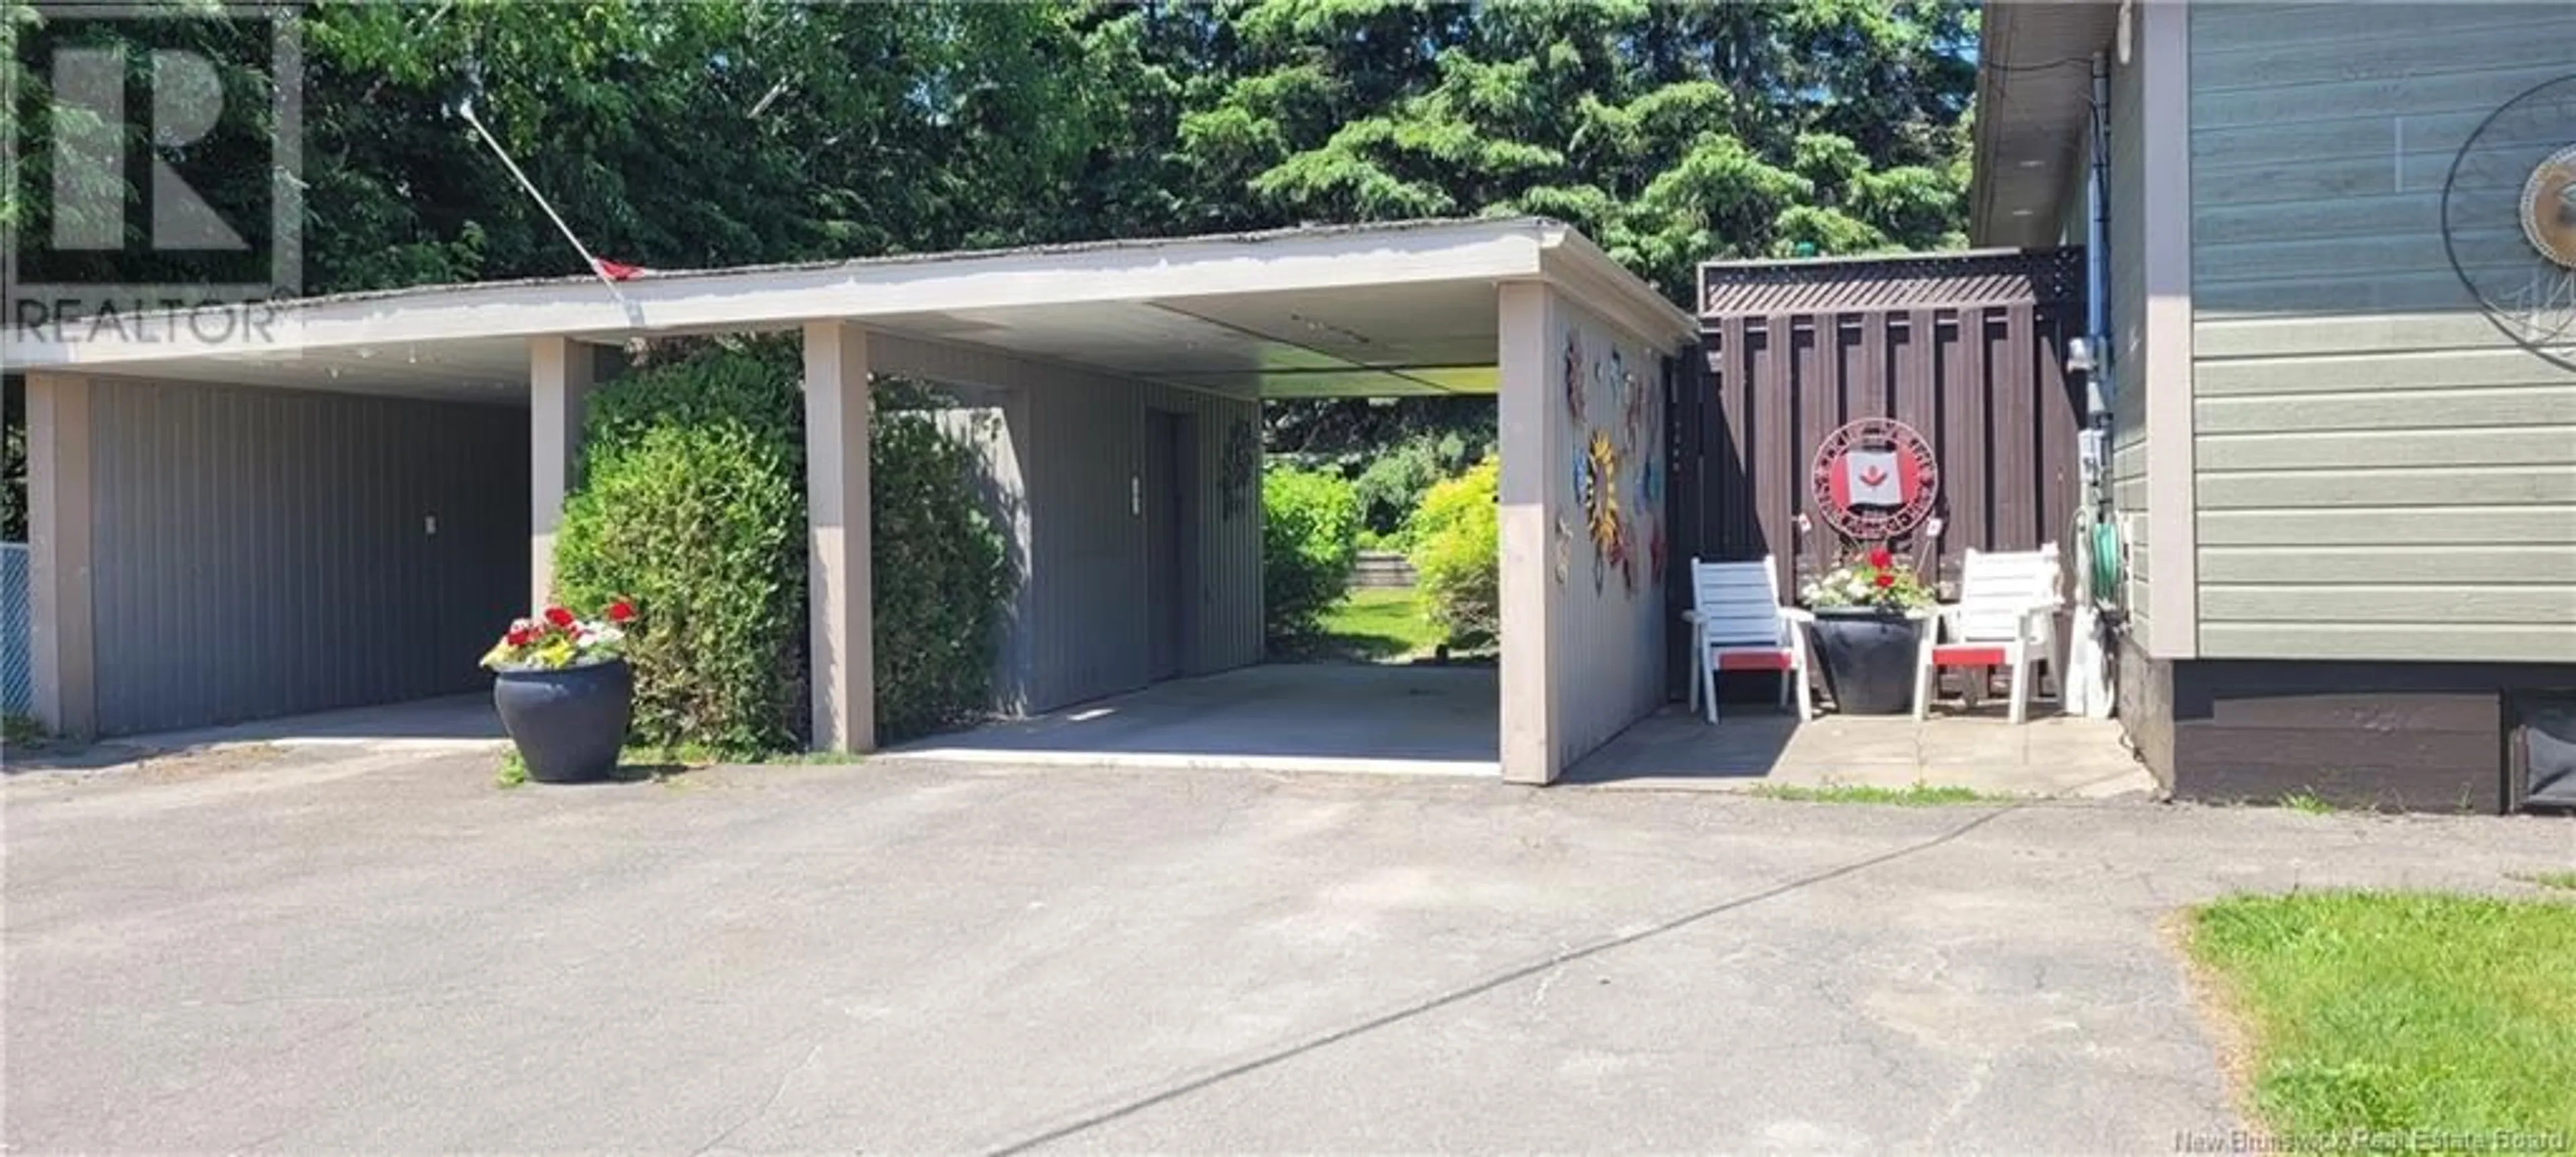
[(1868, 656), (569, 724)]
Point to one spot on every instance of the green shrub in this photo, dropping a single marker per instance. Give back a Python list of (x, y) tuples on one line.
[(942, 578), (1309, 541), (1394, 481), (693, 505), (1457, 555)]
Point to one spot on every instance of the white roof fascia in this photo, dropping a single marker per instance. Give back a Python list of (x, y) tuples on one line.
[(784, 297), (1579, 267)]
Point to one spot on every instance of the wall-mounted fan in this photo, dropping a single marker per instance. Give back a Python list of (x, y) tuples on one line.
[(2509, 218)]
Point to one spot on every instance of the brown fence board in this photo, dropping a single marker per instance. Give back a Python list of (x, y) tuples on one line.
[(1969, 349), (2015, 429)]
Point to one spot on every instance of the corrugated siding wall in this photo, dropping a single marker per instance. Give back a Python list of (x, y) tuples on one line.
[(1081, 629), (2380, 473), (1228, 621), (264, 552)]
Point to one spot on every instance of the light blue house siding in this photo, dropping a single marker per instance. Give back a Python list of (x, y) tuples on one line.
[(2380, 473)]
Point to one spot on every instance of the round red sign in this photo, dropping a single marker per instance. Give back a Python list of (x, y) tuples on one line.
[(1874, 480)]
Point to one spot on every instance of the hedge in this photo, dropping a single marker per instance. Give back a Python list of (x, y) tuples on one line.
[(693, 505), (1309, 542), (942, 576), (1457, 555)]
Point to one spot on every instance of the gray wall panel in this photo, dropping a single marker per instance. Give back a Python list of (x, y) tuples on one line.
[(264, 552), (1089, 567), (1076, 435)]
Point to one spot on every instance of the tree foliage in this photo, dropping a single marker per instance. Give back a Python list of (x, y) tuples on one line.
[(727, 132), (1393, 481)]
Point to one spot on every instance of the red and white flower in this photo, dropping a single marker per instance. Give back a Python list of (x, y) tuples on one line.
[(556, 638)]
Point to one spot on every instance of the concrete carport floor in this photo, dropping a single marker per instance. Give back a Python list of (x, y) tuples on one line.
[(1426, 720)]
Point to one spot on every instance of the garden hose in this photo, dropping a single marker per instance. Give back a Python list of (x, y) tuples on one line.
[(2106, 564)]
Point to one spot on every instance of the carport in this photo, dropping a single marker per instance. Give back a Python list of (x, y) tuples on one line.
[(194, 506)]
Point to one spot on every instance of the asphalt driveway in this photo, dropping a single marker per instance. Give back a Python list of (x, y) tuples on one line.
[(381, 952)]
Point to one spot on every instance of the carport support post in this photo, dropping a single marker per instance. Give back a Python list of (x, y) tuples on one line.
[(1534, 452), (561, 372), (842, 594), (62, 628)]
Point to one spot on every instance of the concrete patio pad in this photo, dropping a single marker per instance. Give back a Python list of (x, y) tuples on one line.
[(1423, 720), (2052, 755)]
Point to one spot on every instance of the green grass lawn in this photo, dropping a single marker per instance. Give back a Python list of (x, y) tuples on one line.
[(2399, 1011), (1379, 623), (1916, 794), (2566, 880)]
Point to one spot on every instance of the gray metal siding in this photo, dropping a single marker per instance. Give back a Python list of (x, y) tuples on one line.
[(1088, 572), (1080, 629), (2381, 475), (264, 552), (1088, 614), (1228, 566)]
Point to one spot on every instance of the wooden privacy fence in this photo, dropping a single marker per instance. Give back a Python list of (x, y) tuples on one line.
[(1969, 349)]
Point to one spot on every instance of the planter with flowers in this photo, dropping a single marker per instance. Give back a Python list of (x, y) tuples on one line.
[(1868, 626), (564, 691)]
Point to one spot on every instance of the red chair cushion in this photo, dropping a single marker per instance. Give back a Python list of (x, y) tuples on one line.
[(1753, 660), (1968, 655)]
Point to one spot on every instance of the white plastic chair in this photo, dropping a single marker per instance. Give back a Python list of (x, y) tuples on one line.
[(2006, 616), (1738, 624)]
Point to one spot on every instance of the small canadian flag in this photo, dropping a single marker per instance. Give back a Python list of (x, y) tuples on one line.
[(1870, 479)]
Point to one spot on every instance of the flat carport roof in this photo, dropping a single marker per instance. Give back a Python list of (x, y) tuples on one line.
[(1404, 308)]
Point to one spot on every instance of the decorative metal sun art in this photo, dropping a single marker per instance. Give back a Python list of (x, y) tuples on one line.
[(2509, 219), (1601, 504)]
